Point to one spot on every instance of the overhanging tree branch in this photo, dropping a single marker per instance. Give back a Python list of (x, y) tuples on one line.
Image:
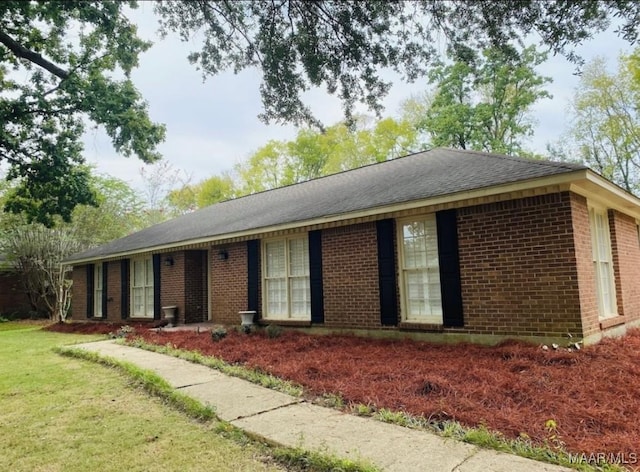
[(25, 53)]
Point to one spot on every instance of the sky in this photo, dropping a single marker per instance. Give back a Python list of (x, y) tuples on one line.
[(213, 125)]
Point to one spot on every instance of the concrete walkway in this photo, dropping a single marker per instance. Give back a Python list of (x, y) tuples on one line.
[(289, 421)]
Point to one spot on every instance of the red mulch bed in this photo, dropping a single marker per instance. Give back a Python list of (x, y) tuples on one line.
[(593, 394)]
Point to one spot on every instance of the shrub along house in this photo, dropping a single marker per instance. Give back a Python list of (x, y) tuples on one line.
[(443, 244)]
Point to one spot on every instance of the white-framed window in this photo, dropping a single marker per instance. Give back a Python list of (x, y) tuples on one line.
[(142, 288), (602, 262), (286, 283), (420, 270), (98, 283)]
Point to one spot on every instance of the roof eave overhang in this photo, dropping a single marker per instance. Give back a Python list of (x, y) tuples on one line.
[(599, 190), (582, 181)]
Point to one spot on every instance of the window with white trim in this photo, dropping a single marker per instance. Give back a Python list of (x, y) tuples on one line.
[(97, 291), (286, 284), (420, 270), (142, 288), (602, 262)]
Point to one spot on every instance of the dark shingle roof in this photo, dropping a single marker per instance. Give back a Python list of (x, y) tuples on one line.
[(433, 173)]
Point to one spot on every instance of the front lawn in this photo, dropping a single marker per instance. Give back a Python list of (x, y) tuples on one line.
[(63, 414)]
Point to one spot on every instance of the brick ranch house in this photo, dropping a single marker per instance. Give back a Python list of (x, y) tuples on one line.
[(444, 245)]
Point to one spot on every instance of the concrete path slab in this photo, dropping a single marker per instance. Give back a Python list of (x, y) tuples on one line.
[(487, 460), (235, 398), (178, 372), (391, 447), (285, 420)]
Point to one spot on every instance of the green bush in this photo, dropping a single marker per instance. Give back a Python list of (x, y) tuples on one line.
[(217, 334), (273, 331)]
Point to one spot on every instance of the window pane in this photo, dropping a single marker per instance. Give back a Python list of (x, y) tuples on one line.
[(276, 263), (149, 301), (604, 274), (97, 292), (138, 273), (97, 304), (276, 297), (286, 274), (138, 301), (298, 257), (602, 265), (142, 288), (149, 272), (300, 296), (421, 269), (98, 276), (423, 293)]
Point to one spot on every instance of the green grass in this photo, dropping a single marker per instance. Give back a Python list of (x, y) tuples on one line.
[(148, 381), (65, 414)]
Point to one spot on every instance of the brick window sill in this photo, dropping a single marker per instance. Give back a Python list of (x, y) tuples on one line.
[(613, 321), (407, 326), (292, 323)]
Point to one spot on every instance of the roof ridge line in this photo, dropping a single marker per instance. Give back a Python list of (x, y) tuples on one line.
[(540, 162), (320, 177)]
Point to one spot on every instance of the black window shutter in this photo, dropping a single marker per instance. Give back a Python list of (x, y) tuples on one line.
[(315, 276), (124, 288), (449, 260), (90, 289), (387, 273), (105, 277), (253, 274), (157, 309)]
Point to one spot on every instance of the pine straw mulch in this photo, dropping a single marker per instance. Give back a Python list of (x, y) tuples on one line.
[(593, 394)]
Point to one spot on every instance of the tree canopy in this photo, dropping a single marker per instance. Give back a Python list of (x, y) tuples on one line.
[(58, 67), (606, 121), (314, 153), (482, 100), (345, 47)]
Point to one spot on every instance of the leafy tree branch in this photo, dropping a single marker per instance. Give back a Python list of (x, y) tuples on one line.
[(45, 103)]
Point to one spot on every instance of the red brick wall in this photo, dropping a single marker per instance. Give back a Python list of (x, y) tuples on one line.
[(626, 263), (229, 283), (13, 299), (350, 271), (172, 280), (518, 268), (79, 293)]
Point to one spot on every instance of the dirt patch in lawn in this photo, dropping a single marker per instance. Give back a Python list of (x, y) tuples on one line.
[(593, 395)]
